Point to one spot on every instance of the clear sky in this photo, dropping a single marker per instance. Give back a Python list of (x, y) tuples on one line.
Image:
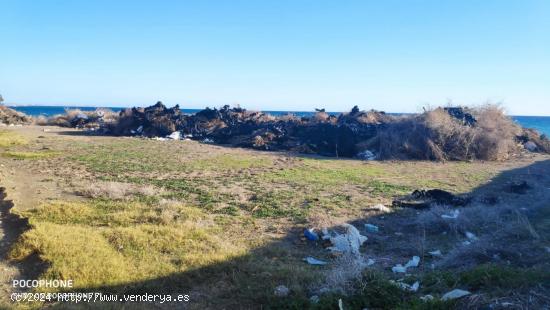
[(277, 55)]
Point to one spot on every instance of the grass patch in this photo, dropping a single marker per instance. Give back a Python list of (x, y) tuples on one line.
[(9, 138), (105, 243)]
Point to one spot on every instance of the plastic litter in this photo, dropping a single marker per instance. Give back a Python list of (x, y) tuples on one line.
[(311, 235), (466, 242), (411, 288), (382, 208), (314, 299), (399, 269), (340, 304), (313, 261), (454, 294), (436, 253), (348, 242), (366, 155), (176, 135), (207, 140), (427, 297), (453, 215), (370, 262), (326, 235), (281, 291), (470, 236), (411, 263), (371, 228)]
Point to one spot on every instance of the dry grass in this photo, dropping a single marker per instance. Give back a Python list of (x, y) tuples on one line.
[(118, 190), (10, 138), (435, 135)]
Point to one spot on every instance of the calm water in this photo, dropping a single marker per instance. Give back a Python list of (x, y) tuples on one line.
[(541, 123)]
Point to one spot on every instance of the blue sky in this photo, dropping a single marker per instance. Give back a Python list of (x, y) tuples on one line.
[(389, 55)]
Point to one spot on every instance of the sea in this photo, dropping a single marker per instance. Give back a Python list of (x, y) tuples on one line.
[(540, 123)]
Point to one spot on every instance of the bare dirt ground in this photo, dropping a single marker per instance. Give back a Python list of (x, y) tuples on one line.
[(266, 199)]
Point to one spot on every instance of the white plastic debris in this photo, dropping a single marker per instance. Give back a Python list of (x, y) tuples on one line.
[(454, 294), (453, 215), (348, 242), (326, 235), (313, 261), (466, 242), (159, 138), (176, 135), (370, 262), (366, 155), (371, 228), (413, 262), (340, 304), (207, 140), (436, 253), (426, 298), (314, 299), (407, 287), (399, 269), (382, 208), (470, 236), (281, 291)]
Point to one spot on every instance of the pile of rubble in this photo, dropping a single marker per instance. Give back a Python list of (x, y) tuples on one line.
[(11, 117), (341, 136), (367, 135)]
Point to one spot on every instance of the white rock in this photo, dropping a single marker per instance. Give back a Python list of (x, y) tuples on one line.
[(454, 294)]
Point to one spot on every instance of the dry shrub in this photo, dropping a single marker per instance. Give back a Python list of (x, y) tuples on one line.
[(345, 272), (435, 135), (320, 117), (117, 190)]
